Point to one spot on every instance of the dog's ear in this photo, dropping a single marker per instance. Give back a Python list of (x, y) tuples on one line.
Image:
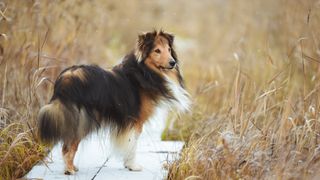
[(145, 44), (140, 47), (140, 41), (145, 38), (168, 36)]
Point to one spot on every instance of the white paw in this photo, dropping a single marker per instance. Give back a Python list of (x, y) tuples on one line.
[(71, 171), (133, 167)]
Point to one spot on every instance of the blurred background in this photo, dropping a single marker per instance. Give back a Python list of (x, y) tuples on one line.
[(252, 68)]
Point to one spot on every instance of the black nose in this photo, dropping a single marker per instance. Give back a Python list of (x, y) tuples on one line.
[(172, 62)]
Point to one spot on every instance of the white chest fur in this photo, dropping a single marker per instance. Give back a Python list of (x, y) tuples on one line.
[(182, 100)]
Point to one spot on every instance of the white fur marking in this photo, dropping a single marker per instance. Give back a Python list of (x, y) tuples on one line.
[(182, 98), (126, 145)]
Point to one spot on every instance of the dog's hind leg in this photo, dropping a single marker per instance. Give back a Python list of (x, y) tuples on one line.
[(69, 151)]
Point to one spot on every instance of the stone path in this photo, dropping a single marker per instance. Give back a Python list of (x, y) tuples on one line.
[(152, 154)]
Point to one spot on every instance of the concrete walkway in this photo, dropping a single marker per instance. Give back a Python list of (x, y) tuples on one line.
[(152, 154)]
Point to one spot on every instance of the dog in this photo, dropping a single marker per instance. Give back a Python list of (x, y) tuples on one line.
[(87, 97)]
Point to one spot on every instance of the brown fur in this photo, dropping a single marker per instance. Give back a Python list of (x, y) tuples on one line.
[(69, 151), (147, 109), (79, 73), (159, 61)]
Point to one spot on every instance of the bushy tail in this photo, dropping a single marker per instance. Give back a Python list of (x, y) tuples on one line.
[(51, 122)]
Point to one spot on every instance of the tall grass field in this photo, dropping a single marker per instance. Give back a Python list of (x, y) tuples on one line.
[(251, 67)]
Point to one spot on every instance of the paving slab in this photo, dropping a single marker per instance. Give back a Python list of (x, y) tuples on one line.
[(152, 154)]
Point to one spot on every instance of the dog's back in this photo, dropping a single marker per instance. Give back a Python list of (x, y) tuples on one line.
[(86, 97)]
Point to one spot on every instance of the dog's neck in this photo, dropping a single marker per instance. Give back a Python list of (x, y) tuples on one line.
[(168, 87)]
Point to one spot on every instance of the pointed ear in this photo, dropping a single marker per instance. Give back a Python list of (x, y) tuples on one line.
[(140, 41), (140, 46), (145, 38), (144, 44), (170, 38)]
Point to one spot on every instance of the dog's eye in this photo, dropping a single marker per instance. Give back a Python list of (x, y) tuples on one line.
[(169, 49), (157, 51)]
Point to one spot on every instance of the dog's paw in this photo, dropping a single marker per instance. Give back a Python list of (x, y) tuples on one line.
[(134, 167), (71, 171)]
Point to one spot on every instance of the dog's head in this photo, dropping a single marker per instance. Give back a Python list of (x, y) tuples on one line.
[(155, 50)]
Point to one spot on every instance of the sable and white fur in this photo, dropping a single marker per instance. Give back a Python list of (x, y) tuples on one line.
[(87, 97)]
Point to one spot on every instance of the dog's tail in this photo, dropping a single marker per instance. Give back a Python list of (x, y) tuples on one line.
[(57, 122)]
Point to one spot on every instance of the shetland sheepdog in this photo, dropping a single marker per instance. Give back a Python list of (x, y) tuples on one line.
[(87, 97)]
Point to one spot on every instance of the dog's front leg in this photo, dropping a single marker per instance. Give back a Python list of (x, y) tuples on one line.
[(130, 155)]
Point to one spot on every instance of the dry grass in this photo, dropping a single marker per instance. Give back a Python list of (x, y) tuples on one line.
[(34, 47), (252, 68), (38, 38), (19, 151), (260, 106)]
